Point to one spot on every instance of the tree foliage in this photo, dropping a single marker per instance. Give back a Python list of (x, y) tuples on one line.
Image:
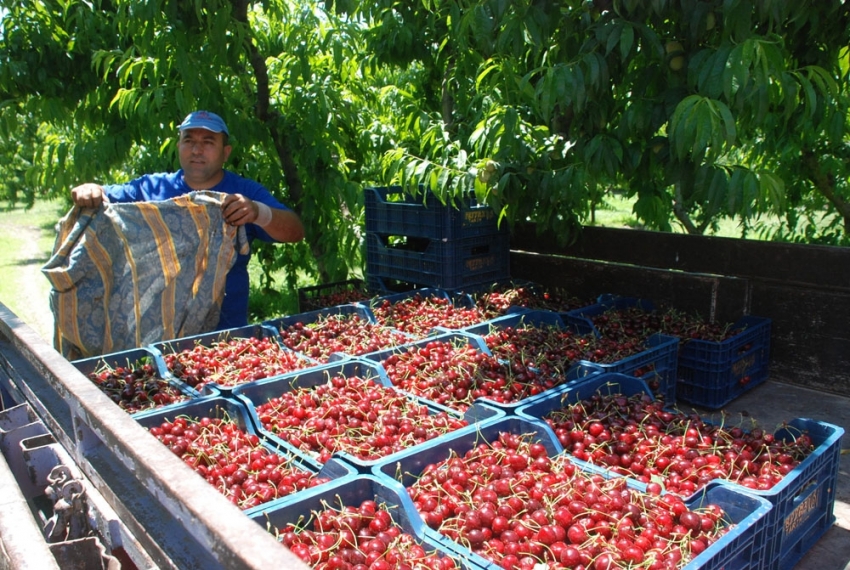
[(698, 109)]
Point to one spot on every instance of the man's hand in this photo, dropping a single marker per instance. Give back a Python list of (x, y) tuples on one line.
[(239, 210), (88, 195)]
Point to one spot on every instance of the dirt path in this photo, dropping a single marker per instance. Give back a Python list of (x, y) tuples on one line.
[(32, 300)]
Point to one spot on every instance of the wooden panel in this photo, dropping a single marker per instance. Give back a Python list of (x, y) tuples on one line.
[(810, 340), (714, 297), (790, 263), (804, 290)]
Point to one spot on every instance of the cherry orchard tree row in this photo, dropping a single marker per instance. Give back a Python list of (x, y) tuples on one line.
[(699, 109)]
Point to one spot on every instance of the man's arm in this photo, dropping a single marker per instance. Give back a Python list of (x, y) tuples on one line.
[(281, 225)]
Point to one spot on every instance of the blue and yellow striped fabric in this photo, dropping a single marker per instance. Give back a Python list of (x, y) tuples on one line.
[(131, 274)]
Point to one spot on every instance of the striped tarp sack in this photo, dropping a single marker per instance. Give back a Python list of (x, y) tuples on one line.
[(130, 274)]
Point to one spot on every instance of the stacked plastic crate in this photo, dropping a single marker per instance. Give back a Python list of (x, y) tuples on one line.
[(420, 241)]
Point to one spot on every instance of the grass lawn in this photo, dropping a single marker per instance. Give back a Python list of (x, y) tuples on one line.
[(617, 212), (26, 242)]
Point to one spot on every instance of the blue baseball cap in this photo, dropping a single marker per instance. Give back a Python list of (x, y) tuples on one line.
[(204, 120)]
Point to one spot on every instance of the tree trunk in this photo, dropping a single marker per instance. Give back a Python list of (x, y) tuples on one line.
[(682, 214), (271, 119), (824, 183)]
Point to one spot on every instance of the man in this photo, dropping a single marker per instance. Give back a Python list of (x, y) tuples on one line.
[(203, 149)]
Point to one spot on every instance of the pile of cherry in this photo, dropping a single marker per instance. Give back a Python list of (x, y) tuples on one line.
[(636, 322), (342, 296), (525, 361), (512, 503), (358, 537), (356, 415), (496, 301), (232, 460), (136, 387), (418, 314), (232, 362), (671, 450), (347, 333)]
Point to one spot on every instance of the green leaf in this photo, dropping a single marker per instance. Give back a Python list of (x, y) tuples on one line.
[(614, 33), (627, 40), (773, 189)]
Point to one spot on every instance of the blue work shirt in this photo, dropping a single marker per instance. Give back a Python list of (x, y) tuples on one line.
[(164, 186)]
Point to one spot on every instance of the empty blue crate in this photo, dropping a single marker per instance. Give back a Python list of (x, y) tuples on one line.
[(712, 374), (391, 210), (437, 263)]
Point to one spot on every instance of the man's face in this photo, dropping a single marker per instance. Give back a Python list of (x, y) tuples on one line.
[(202, 156)]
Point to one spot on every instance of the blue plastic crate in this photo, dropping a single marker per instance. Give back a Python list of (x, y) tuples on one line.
[(391, 210), (217, 406), (802, 503), (127, 358), (396, 297), (804, 500), (712, 374), (352, 492), (657, 362), (435, 263), (405, 468), (520, 319), (534, 297), (582, 318), (455, 301), (742, 547), (257, 393), (319, 297), (257, 331), (574, 374), (354, 311), (454, 337), (745, 545), (563, 396)]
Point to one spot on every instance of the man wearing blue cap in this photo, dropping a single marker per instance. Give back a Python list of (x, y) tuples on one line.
[(203, 149)]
